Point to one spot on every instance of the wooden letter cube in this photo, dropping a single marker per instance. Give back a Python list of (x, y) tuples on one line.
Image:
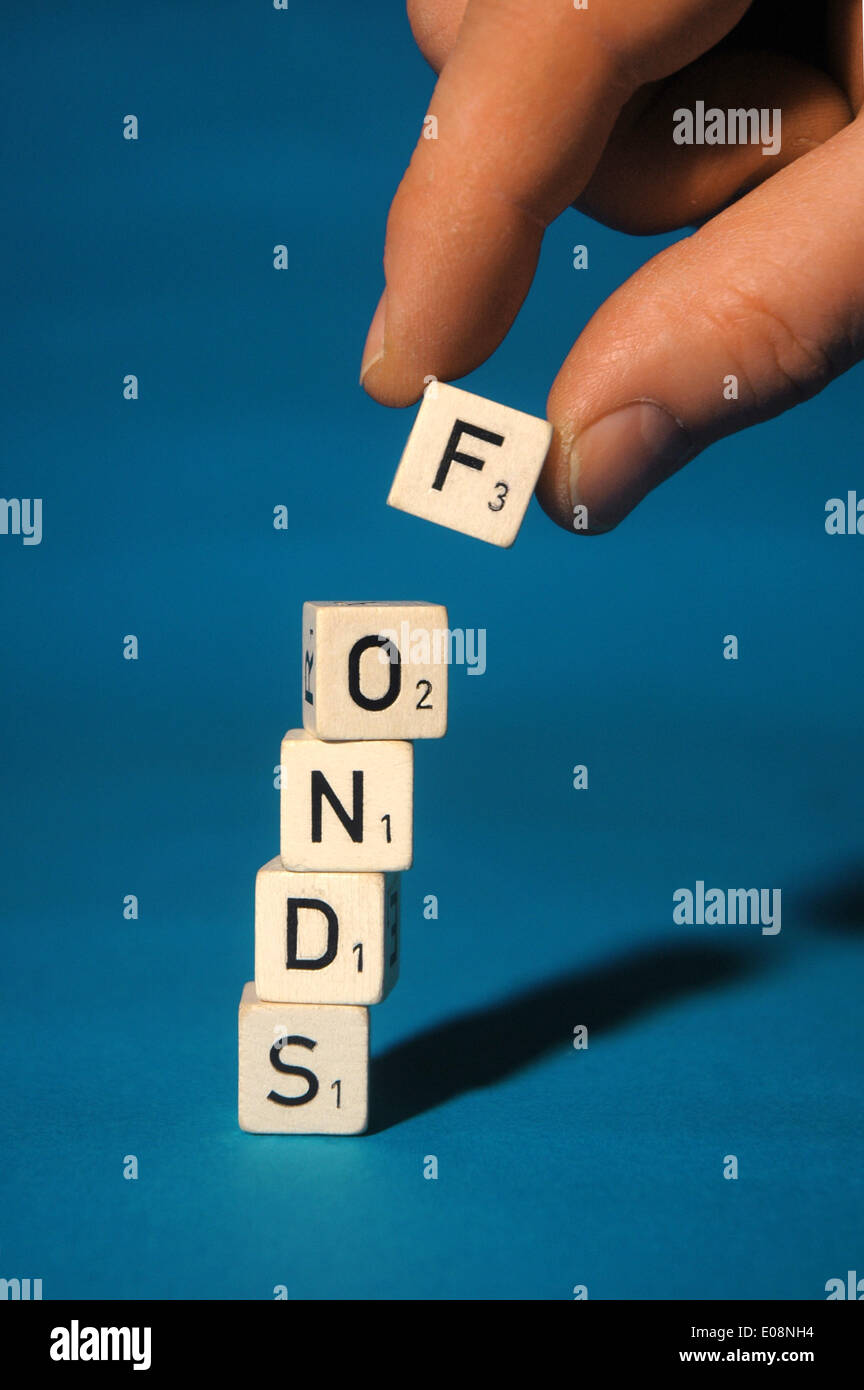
[(375, 670), (304, 1068), (470, 464), (346, 806), (325, 938)]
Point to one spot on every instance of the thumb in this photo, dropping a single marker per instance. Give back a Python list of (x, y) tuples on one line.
[(770, 292)]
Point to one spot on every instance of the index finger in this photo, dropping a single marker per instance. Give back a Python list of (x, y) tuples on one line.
[(517, 123)]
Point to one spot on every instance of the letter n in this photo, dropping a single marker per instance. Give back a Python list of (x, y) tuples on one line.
[(353, 823)]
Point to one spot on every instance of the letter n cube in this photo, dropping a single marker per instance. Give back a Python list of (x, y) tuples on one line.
[(346, 806)]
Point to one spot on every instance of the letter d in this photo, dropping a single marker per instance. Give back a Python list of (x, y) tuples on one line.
[(294, 961)]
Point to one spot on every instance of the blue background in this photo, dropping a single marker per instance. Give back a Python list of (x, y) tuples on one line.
[(155, 777)]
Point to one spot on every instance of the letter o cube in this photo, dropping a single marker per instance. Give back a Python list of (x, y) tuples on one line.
[(375, 670)]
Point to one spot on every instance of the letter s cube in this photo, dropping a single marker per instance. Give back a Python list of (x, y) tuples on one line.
[(303, 1068)]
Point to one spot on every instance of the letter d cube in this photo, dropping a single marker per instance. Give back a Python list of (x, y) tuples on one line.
[(325, 938)]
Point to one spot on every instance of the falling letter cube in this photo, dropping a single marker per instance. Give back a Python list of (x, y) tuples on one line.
[(304, 1068), (470, 464), (375, 670), (325, 938), (346, 806)]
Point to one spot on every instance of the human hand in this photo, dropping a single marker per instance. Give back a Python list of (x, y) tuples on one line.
[(540, 105)]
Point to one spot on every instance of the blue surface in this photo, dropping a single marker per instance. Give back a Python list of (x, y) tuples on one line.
[(155, 777)]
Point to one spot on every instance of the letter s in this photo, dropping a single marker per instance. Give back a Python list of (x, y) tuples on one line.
[(308, 1076)]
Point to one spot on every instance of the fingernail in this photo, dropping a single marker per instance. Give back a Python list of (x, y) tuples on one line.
[(616, 461), (374, 349)]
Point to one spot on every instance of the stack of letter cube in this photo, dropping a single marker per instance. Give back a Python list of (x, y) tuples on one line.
[(327, 909)]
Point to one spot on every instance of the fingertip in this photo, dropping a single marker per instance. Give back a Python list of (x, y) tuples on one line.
[(594, 477), (435, 26), (373, 350), (621, 457), (551, 490), (380, 384), (554, 487)]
